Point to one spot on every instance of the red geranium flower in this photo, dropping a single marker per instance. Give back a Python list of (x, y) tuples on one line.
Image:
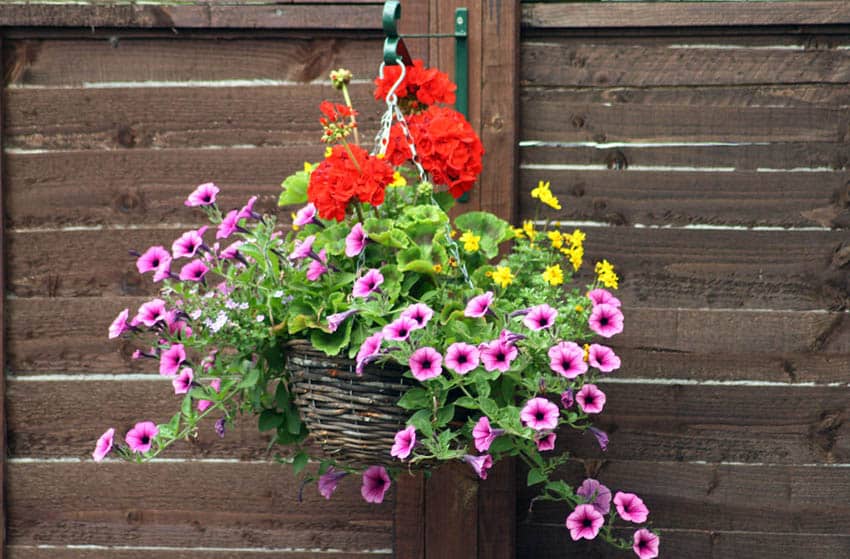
[(338, 179), (421, 85)]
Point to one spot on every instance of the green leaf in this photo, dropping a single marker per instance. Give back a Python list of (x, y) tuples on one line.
[(445, 200), (186, 407), (535, 476), (294, 424), (332, 343), (444, 415), (250, 380), (421, 222), (270, 419), (490, 228), (561, 489), (483, 388), (489, 407), (501, 444), (294, 189), (298, 462), (384, 232), (466, 402), (415, 398), (422, 421)]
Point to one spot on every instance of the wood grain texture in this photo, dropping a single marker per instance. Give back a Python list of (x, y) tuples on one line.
[(451, 513), (670, 343), (409, 517), (59, 552), (691, 14), (188, 505), (128, 58), (712, 497), (648, 422), (3, 310)]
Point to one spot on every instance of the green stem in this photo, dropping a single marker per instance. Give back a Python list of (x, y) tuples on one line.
[(350, 106)]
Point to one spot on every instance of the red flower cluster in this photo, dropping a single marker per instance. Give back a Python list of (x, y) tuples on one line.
[(421, 85), (339, 179), (334, 112), (448, 148)]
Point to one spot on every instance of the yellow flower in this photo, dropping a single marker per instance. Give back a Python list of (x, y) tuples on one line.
[(503, 276), (554, 275), (294, 227), (380, 156), (577, 237), (398, 180), (453, 234), (606, 275), (308, 167), (528, 229), (576, 254), (518, 232), (470, 241), (556, 238), (438, 268), (579, 309), (586, 352), (544, 194), (452, 262), (328, 152)]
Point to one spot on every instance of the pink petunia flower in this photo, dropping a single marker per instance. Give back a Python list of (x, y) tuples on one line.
[(150, 313), (584, 522), (119, 325), (606, 320), (545, 442), (497, 356), (462, 357), (162, 273), (171, 359), (355, 241), (567, 398), (153, 259), (540, 317), (590, 399), (336, 319), (368, 351), (405, 440), (645, 544), (484, 434), (420, 312), (183, 382), (231, 251), (567, 359), (630, 507), (376, 482), (426, 363), (317, 268), (479, 305), (305, 215), (399, 329), (228, 225), (188, 243), (540, 414), (603, 297), (302, 248), (601, 437), (141, 436), (103, 446), (204, 405), (203, 195), (596, 495), (603, 358), (479, 463), (329, 480), (193, 271), (247, 211), (368, 284)]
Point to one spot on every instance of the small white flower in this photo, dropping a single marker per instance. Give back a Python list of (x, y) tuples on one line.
[(195, 314), (278, 293), (261, 317), (243, 306)]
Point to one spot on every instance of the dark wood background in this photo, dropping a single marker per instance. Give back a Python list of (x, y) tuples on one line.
[(703, 149)]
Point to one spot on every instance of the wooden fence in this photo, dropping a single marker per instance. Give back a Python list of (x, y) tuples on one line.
[(702, 147)]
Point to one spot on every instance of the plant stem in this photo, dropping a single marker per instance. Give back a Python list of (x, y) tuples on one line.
[(353, 119)]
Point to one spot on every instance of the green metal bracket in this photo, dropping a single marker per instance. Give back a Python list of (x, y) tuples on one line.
[(462, 61)]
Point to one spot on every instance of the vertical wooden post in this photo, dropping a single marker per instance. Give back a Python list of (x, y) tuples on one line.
[(2, 324)]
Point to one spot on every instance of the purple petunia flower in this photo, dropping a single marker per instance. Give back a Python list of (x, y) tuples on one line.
[(479, 305), (601, 437), (150, 313), (399, 329), (203, 195), (540, 414), (171, 359), (584, 522), (376, 482), (405, 440), (368, 284), (305, 216), (204, 405), (567, 359), (317, 268), (153, 259), (228, 225), (603, 358), (484, 435), (355, 241), (302, 248), (596, 495), (497, 356), (232, 251), (119, 325), (368, 351), (426, 363), (193, 271), (336, 319), (188, 243), (567, 398), (645, 544), (420, 312), (479, 463), (540, 317), (590, 399), (220, 427), (329, 480), (462, 357), (545, 442), (603, 297), (606, 320), (630, 507), (141, 436), (247, 211), (103, 446), (183, 382)]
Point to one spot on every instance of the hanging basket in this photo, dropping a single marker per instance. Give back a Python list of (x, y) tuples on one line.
[(353, 418)]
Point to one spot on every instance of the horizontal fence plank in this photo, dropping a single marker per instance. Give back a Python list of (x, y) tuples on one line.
[(553, 542), (347, 15), (166, 117), (742, 198), (781, 270), (714, 497), (58, 62), (127, 552), (704, 62), (136, 187), (188, 505), (696, 344), (755, 424), (551, 115), (690, 14)]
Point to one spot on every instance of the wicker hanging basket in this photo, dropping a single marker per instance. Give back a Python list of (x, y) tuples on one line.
[(353, 418)]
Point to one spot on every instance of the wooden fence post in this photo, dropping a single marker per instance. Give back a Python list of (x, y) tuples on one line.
[(2, 328)]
